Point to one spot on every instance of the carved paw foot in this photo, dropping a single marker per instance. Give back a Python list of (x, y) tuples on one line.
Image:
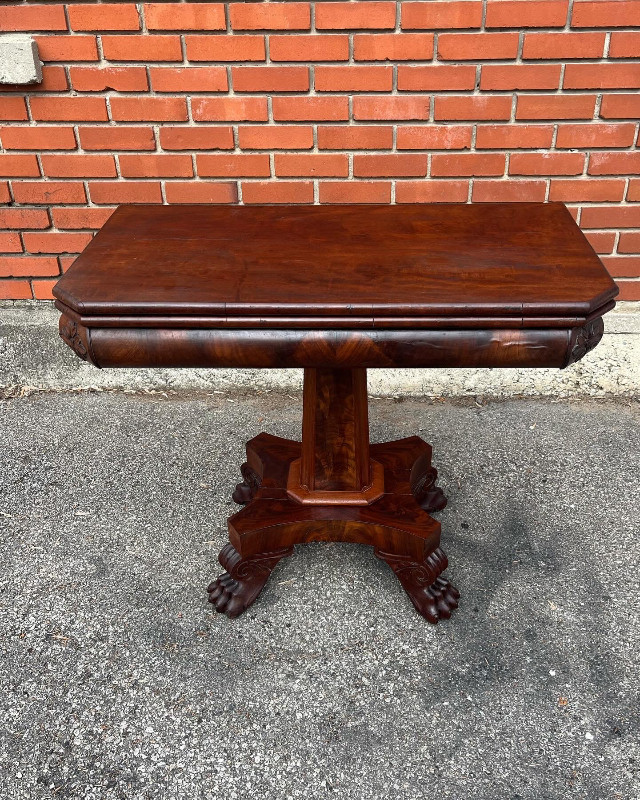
[(423, 485), (237, 588), (432, 596), (245, 491)]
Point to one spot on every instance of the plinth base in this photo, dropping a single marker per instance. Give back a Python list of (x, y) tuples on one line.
[(397, 525)]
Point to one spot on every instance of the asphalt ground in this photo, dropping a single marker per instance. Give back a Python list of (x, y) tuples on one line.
[(118, 680)]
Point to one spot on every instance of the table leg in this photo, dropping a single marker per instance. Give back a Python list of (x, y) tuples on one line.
[(334, 486)]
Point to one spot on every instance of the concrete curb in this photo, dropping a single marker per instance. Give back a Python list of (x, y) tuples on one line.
[(32, 355)]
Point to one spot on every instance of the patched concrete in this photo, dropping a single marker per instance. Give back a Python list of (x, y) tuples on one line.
[(33, 355), (19, 59), (119, 682)]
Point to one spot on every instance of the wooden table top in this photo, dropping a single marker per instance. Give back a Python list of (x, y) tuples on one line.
[(304, 263)]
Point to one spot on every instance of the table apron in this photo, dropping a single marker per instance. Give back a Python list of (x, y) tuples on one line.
[(169, 347)]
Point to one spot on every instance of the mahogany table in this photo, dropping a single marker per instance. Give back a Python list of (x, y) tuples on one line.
[(336, 290)]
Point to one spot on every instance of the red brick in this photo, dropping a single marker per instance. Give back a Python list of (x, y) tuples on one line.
[(229, 109), (5, 197), (275, 137), (234, 166), (633, 193), (544, 106), (200, 138), (120, 79), (54, 79), (595, 135), (79, 166), (184, 16), (610, 217), (189, 79), (43, 290), (25, 166), (373, 108), (624, 45), (613, 14), (67, 48), (116, 138), (629, 242), (142, 48), (148, 109), (272, 16), (477, 46), (401, 165), (18, 218), (69, 109), (278, 192), (201, 192), (354, 16), (15, 290), (225, 48), (26, 266), (432, 191), (434, 137), (113, 192), (546, 163), (602, 76), (32, 18), (624, 267), (353, 79), (104, 17), (48, 192), (614, 163), (563, 45), (355, 192), (513, 137), (586, 191), (13, 108), (475, 107), (310, 108), (392, 47), (10, 243), (270, 79), (156, 166), (313, 165), (441, 15), (620, 106), (503, 77), (526, 13), (325, 47), (42, 137), (355, 137), (629, 290), (51, 242), (436, 78), (508, 191), (454, 164), (601, 241), (80, 218)]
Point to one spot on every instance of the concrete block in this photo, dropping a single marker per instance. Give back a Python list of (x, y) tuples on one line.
[(19, 60)]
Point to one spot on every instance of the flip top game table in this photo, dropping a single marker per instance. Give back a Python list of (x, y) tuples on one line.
[(336, 290)]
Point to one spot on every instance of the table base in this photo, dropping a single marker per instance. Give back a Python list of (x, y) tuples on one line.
[(397, 524)]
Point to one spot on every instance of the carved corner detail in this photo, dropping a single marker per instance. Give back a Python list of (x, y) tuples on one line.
[(585, 339), (70, 334)]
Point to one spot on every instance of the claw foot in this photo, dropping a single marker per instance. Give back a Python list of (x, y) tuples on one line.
[(432, 596), (250, 484), (237, 588), (423, 485)]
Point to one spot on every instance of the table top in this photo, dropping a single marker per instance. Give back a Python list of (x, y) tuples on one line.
[(351, 263)]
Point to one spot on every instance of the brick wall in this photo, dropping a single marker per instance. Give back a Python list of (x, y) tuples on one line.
[(325, 102)]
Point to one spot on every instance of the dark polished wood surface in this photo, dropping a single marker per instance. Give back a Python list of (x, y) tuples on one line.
[(518, 259), (336, 290)]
